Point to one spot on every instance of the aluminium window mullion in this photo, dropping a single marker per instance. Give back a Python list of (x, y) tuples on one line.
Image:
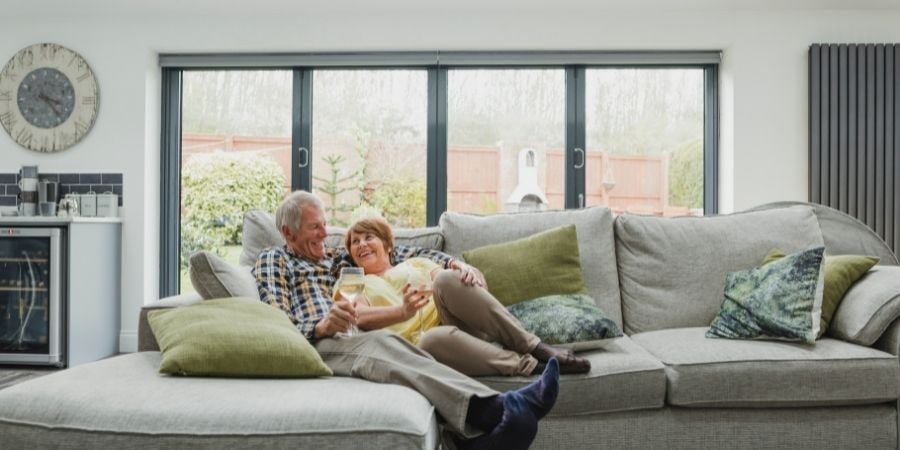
[(301, 130), (710, 139), (436, 197), (170, 183), (575, 137)]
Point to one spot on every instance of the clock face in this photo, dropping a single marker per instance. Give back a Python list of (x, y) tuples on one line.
[(49, 97), (46, 97)]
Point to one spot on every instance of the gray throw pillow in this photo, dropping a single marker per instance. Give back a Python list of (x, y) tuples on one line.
[(781, 300), (570, 321), (214, 278), (869, 307)]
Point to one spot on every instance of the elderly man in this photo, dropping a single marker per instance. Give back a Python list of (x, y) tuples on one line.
[(299, 277)]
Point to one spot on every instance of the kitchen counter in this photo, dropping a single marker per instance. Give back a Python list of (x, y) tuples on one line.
[(41, 220)]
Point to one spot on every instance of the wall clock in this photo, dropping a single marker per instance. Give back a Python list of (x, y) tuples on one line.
[(49, 97)]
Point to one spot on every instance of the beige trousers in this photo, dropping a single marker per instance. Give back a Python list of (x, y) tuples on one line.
[(471, 318), (385, 357)]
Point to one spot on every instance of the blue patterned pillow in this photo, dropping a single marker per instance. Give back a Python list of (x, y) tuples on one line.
[(570, 321), (782, 301)]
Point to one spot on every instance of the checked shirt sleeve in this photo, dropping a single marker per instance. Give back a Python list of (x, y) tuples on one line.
[(403, 252), (294, 286)]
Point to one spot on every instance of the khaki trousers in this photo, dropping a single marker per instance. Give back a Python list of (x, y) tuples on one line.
[(471, 318), (385, 357)]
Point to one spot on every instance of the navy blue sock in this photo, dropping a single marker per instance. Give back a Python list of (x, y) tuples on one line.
[(516, 430), (541, 394)]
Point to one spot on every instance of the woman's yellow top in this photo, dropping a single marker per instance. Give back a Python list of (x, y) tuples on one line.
[(387, 290)]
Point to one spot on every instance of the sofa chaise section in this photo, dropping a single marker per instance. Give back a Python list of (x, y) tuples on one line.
[(123, 402)]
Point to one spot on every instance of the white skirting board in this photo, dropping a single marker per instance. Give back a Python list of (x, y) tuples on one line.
[(128, 341)]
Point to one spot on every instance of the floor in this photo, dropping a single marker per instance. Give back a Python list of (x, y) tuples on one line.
[(12, 375)]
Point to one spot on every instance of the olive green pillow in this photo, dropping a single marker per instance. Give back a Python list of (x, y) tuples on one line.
[(542, 264), (233, 337), (841, 271)]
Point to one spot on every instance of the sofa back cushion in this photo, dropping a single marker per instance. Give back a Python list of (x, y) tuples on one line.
[(212, 277), (843, 234), (260, 233), (594, 228), (672, 271)]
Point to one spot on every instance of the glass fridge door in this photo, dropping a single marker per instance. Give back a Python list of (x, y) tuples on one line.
[(29, 297)]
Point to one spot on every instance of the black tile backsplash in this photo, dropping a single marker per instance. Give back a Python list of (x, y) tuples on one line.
[(68, 178), (89, 178), (111, 178), (79, 183)]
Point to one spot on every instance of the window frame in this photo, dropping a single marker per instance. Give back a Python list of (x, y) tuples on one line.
[(437, 64)]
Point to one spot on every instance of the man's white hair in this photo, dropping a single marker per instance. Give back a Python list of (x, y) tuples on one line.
[(289, 211)]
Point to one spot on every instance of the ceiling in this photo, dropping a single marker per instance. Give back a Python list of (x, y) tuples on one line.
[(57, 8)]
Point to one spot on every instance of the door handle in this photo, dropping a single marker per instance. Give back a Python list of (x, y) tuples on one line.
[(304, 157), (579, 165)]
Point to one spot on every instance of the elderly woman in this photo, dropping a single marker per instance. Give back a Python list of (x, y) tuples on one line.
[(462, 322)]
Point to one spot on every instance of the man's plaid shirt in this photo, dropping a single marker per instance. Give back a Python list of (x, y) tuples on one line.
[(303, 288)]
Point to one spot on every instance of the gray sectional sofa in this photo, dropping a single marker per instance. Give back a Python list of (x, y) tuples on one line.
[(664, 385)]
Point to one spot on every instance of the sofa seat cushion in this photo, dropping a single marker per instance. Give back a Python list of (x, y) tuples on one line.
[(735, 373), (89, 404), (623, 377)]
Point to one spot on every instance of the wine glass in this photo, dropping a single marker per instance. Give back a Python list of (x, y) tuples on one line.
[(350, 285), (417, 281)]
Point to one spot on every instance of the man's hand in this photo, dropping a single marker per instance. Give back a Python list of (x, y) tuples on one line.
[(414, 299), (339, 318), (469, 275)]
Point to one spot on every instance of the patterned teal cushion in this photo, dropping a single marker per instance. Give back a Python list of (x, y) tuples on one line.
[(782, 301), (572, 321)]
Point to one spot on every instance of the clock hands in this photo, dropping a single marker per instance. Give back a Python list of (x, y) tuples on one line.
[(52, 103)]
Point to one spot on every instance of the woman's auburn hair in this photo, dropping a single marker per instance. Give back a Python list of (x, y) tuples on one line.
[(376, 226)]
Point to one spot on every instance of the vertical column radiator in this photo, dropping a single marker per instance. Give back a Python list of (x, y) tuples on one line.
[(854, 133)]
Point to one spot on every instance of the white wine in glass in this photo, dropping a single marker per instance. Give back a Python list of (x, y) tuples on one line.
[(423, 284), (350, 285)]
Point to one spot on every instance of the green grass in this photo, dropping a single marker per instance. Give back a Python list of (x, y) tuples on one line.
[(232, 255)]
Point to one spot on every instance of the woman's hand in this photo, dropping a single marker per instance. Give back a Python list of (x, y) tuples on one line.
[(341, 315), (469, 275), (414, 299)]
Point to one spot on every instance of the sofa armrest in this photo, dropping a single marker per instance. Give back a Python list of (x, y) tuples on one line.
[(890, 340), (869, 307), (146, 339)]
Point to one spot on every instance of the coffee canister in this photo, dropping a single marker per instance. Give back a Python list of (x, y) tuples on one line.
[(88, 204), (107, 205)]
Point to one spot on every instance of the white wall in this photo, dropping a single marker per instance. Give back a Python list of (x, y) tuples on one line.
[(763, 80)]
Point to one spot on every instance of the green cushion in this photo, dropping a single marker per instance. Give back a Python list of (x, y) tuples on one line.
[(841, 272), (571, 321), (233, 337), (542, 264), (781, 300)]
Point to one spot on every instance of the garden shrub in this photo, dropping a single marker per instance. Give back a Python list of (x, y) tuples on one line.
[(217, 189)]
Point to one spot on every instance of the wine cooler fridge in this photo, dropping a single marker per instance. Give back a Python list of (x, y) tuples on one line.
[(31, 296)]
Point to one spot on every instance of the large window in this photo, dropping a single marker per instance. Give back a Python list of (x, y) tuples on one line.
[(506, 133), (235, 155), (644, 151), (369, 144), (411, 135)]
